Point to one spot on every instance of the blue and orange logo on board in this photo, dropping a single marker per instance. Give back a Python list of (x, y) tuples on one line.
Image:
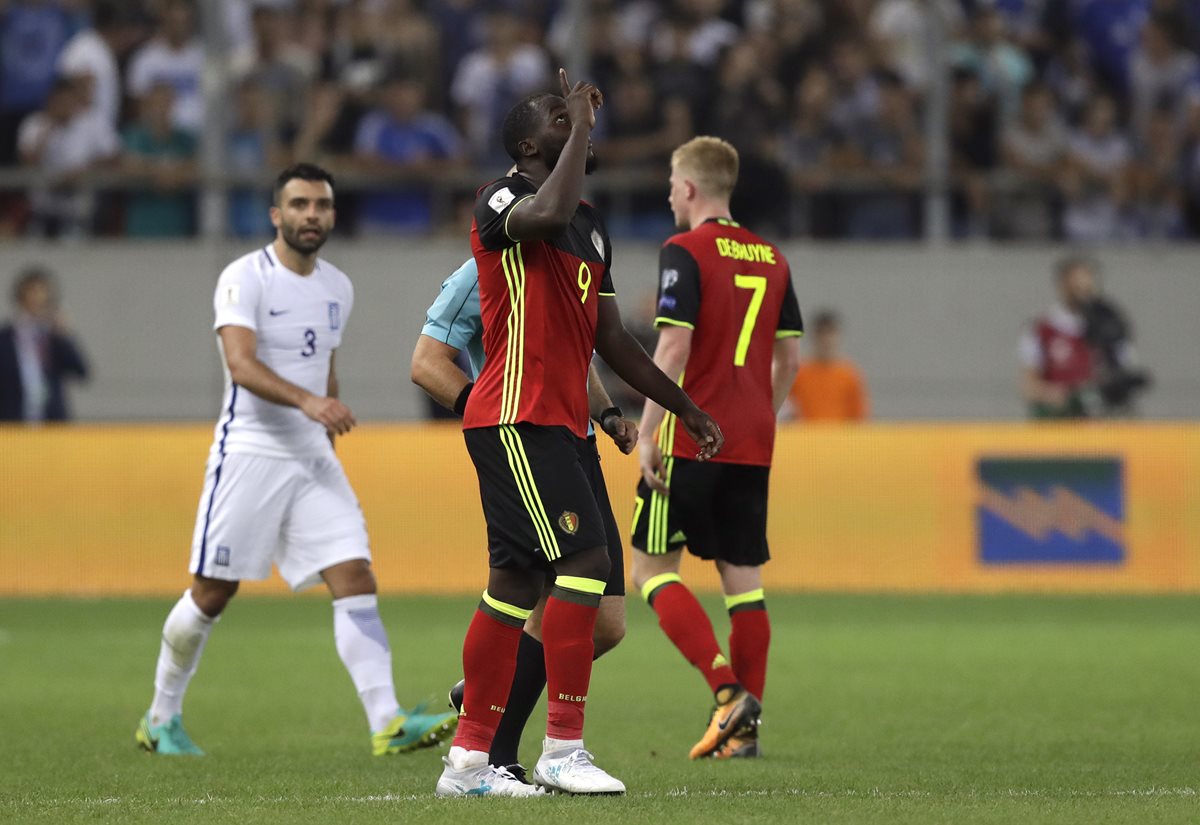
[(1051, 511)]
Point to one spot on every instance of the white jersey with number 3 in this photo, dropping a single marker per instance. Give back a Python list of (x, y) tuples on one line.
[(298, 320)]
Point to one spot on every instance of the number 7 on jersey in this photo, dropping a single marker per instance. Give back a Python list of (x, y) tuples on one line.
[(757, 283)]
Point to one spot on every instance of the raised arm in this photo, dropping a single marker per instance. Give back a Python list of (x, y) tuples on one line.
[(240, 347), (548, 213)]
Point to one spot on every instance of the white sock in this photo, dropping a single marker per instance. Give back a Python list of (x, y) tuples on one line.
[(363, 645), (184, 634), (461, 759), (555, 745)]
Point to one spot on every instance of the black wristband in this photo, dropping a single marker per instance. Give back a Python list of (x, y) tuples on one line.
[(608, 412), (460, 403)]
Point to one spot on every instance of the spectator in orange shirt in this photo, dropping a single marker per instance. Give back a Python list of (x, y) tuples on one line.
[(828, 387)]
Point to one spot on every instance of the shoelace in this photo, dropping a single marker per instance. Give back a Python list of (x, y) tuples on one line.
[(583, 759), (506, 775), (503, 773)]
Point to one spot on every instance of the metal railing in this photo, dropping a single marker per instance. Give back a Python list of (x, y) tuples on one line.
[(623, 192)]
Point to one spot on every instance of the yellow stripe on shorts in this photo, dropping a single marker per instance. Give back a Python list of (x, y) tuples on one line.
[(518, 462)]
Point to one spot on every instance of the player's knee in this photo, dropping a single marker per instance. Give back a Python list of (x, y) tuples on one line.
[(736, 578), (520, 588), (609, 633), (352, 578), (533, 625), (645, 567), (639, 574), (212, 595), (363, 580), (589, 564)]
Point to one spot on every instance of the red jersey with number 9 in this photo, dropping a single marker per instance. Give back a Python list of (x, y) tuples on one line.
[(538, 301), (734, 290)]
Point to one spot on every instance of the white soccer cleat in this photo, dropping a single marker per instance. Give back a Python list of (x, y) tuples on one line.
[(572, 771), (468, 773)]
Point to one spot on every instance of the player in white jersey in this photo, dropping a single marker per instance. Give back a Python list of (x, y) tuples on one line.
[(274, 491)]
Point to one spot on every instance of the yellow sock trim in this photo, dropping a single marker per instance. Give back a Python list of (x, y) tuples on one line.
[(743, 598), (658, 581), (581, 584), (505, 608)]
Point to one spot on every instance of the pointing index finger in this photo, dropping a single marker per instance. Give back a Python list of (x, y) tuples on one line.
[(562, 79)]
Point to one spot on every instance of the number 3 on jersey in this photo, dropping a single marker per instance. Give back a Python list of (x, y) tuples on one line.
[(758, 284), (310, 343)]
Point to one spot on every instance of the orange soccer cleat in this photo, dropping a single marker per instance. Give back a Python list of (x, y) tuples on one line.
[(739, 711)]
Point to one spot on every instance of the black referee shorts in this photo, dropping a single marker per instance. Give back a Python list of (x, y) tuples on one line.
[(719, 511), (537, 499), (589, 456)]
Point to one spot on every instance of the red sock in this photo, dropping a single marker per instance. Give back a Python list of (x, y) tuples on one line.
[(567, 627), (749, 639), (489, 661), (686, 624)]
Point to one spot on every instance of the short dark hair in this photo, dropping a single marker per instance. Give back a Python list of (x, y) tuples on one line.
[(1070, 263), (62, 83), (301, 171), (30, 275), (826, 319), (521, 122), (107, 14)]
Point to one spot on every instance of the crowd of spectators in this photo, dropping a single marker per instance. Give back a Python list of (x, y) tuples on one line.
[(1075, 119)]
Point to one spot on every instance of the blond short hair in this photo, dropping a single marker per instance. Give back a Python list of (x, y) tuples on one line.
[(708, 162)]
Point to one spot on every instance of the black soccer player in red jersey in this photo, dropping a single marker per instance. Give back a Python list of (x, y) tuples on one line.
[(547, 302), (729, 327)]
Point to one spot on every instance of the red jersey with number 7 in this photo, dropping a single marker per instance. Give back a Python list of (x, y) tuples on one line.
[(734, 290), (538, 301)]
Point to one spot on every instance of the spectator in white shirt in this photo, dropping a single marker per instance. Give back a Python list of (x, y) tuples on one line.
[(489, 80), (1160, 75), (95, 53), (1033, 147), (699, 24), (900, 30), (63, 142), (174, 57), (1097, 175)]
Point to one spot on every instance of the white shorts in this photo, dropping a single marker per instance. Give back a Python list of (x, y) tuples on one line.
[(299, 514)]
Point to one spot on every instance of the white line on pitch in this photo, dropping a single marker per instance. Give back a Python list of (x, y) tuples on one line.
[(805, 793)]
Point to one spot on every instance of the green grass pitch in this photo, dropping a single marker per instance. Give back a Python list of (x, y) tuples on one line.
[(878, 710)]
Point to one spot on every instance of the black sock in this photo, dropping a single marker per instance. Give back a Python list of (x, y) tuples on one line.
[(528, 683)]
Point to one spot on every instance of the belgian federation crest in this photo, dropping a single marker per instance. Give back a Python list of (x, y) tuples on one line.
[(335, 315), (569, 522)]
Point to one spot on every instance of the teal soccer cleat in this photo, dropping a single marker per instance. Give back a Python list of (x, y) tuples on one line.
[(169, 739), (416, 730)]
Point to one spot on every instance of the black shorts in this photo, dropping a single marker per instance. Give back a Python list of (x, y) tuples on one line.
[(718, 510), (537, 501), (590, 457)]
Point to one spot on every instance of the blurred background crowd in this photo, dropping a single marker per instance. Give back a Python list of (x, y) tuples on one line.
[(1023, 119)]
